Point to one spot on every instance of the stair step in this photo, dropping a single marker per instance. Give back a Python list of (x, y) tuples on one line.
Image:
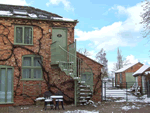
[(76, 78), (85, 93), (70, 73), (85, 97), (84, 90), (67, 62), (81, 82), (84, 86), (83, 104), (82, 100)]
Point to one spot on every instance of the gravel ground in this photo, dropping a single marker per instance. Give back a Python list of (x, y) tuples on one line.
[(104, 107)]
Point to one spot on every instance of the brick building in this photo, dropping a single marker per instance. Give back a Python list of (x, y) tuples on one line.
[(124, 75), (38, 53), (142, 78)]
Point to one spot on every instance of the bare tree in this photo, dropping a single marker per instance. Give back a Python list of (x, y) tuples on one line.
[(146, 18), (101, 57), (121, 62), (84, 52)]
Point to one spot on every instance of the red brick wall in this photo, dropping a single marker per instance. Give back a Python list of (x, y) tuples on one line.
[(56, 75), (130, 70), (96, 68)]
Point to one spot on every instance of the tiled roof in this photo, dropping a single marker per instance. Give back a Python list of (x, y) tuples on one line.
[(141, 70), (29, 12)]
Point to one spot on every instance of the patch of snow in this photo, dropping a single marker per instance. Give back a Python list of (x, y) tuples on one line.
[(126, 108), (21, 16), (82, 111), (90, 101), (33, 15), (5, 13), (40, 98), (42, 16), (65, 19), (141, 70), (20, 12), (125, 68), (26, 107), (147, 72)]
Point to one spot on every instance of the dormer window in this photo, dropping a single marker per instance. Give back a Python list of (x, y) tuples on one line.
[(23, 35)]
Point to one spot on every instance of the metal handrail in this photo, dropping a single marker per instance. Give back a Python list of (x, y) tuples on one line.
[(79, 72)]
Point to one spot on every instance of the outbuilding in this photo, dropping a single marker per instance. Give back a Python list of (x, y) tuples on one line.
[(124, 76), (142, 78)]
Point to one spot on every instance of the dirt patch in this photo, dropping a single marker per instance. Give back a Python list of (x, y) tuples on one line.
[(104, 107)]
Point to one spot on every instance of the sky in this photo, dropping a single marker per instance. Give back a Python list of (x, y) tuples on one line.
[(106, 24)]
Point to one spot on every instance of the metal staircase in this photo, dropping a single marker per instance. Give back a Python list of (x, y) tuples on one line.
[(75, 67)]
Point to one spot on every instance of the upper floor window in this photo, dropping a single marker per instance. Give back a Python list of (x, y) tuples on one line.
[(31, 69), (23, 35)]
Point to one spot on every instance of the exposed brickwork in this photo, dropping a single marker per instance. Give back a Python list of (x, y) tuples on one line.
[(96, 68), (57, 76), (129, 70)]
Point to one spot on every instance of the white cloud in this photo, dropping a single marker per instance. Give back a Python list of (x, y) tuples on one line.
[(110, 66), (122, 33), (66, 4), (92, 55), (132, 59), (146, 62), (129, 58), (15, 2)]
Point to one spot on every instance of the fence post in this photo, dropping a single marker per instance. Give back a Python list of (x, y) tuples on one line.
[(105, 90), (126, 93), (102, 95), (148, 95), (112, 82)]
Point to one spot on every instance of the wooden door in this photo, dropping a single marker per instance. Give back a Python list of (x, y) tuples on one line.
[(60, 36)]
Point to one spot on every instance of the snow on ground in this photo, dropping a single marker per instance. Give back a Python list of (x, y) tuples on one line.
[(126, 108), (123, 94), (82, 111)]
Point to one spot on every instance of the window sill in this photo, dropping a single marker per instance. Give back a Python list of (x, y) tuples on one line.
[(24, 44), (31, 79), (6, 102)]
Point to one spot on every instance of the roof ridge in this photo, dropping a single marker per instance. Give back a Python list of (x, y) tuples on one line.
[(126, 67)]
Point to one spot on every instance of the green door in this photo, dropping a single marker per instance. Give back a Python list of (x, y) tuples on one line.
[(130, 79), (60, 35), (6, 84), (88, 78)]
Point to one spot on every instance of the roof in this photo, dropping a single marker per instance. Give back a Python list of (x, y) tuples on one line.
[(141, 70), (126, 67), (28, 12), (90, 59)]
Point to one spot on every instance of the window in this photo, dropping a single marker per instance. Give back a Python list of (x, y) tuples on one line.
[(23, 35), (6, 84), (31, 69), (120, 78)]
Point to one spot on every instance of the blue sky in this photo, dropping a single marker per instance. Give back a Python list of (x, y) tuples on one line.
[(102, 24)]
